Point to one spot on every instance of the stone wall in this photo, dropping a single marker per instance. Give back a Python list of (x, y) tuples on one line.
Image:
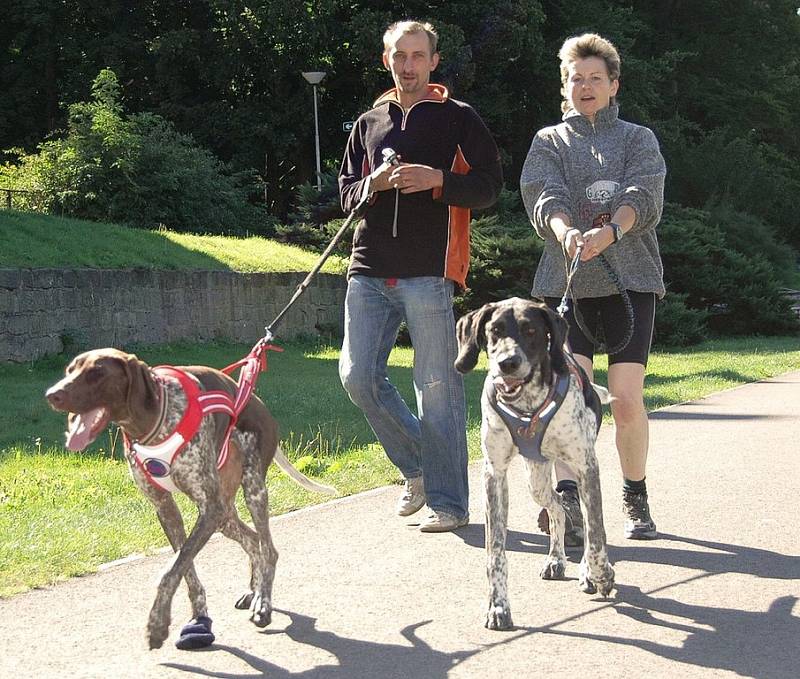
[(41, 309)]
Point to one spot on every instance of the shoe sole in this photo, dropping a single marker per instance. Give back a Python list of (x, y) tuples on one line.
[(409, 512), (442, 529), (641, 534)]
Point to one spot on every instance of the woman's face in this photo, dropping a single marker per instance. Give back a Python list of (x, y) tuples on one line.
[(588, 88)]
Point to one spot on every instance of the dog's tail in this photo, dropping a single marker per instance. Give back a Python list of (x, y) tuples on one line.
[(301, 479), (603, 394)]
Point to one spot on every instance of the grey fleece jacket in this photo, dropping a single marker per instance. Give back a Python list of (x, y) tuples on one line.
[(588, 171)]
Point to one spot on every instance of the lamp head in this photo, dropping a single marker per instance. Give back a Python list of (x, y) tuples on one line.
[(314, 77)]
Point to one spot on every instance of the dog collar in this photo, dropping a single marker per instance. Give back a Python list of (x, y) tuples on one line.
[(156, 461), (162, 410)]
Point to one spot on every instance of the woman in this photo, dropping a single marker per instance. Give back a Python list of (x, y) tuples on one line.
[(597, 182)]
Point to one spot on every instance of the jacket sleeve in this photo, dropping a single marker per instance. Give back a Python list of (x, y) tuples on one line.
[(480, 186), (643, 185), (543, 185), (354, 170)]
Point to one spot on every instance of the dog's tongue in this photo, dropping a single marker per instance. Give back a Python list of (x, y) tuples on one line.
[(82, 432), (507, 383)]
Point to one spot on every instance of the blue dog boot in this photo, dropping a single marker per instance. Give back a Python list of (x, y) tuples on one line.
[(196, 634)]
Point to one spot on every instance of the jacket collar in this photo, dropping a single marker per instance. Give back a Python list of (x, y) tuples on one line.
[(436, 93), (605, 117)]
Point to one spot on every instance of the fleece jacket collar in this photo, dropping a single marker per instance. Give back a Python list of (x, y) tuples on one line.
[(436, 93)]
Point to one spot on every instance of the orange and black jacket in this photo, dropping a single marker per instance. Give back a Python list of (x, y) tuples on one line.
[(424, 233)]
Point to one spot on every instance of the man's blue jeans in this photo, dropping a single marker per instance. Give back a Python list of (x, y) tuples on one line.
[(433, 442)]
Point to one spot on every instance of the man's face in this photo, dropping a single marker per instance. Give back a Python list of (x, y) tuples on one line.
[(589, 88), (411, 62)]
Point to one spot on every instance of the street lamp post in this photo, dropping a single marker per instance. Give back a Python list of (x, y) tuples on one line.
[(314, 78)]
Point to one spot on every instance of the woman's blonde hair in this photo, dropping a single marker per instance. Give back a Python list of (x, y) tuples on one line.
[(583, 47)]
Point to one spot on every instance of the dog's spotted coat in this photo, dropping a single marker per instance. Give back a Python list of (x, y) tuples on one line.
[(524, 342), (108, 385)]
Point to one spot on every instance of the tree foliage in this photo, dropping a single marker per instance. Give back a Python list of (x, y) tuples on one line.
[(134, 170), (716, 80)]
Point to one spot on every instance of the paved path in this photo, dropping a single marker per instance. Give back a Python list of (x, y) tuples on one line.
[(360, 594)]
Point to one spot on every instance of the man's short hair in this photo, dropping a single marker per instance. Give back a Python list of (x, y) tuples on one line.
[(400, 28), (583, 47)]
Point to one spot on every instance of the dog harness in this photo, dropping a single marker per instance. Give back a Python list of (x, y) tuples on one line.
[(156, 461), (528, 429)]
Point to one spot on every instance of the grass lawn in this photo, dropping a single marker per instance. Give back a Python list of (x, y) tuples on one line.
[(34, 240), (63, 514)]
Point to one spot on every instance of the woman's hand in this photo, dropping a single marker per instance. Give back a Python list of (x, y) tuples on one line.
[(595, 241), (573, 239)]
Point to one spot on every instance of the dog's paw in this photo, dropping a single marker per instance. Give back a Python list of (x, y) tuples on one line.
[(602, 582), (553, 569), (261, 611), (196, 634), (244, 601), (498, 617), (156, 636), (606, 583)]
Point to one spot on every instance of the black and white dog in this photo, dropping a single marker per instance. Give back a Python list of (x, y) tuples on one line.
[(539, 403)]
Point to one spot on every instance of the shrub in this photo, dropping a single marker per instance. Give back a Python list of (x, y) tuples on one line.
[(318, 207), (740, 171), (677, 325), (739, 291), (135, 170), (505, 252)]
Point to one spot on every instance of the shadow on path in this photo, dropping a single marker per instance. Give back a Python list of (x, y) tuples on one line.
[(357, 659), (719, 557)]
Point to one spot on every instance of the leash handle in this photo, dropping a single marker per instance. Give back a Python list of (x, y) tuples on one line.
[(563, 307)]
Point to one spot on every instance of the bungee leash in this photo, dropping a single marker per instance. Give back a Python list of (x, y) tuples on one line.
[(563, 307)]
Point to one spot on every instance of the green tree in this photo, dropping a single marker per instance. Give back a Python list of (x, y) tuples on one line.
[(134, 170)]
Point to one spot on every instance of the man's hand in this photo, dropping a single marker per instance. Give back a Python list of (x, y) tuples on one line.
[(379, 181), (411, 178)]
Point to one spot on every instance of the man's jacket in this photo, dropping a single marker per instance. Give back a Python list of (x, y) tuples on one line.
[(424, 233)]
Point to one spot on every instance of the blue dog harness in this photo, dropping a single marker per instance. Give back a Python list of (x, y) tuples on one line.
[(528, 429)]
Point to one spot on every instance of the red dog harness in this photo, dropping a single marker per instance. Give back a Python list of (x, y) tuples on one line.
[(156, 461)]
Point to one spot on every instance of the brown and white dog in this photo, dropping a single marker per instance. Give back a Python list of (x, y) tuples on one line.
[(536, 403), (107, 385)]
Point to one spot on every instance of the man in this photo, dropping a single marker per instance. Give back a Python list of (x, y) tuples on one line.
[(410, 251)]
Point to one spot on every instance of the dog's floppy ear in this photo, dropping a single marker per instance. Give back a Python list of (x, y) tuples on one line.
[(142, 397), (471, 337), (557, 328)]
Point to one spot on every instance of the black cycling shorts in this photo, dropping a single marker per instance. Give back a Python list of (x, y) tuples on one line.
[(609, 313)]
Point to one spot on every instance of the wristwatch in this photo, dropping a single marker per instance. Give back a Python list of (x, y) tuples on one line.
[(618, 232)]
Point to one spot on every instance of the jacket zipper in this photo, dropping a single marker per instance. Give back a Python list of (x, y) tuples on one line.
[(397, 191)]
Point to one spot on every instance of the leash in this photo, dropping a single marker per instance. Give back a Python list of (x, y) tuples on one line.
[(390, 158), (251, 365), (256, 361), (563, 307)]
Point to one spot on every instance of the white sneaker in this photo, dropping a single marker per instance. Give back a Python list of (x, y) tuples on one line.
[(442, 522), (413, 498)]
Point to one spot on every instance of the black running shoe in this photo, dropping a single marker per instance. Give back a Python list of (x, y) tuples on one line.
[(639, 525), (573, 531)]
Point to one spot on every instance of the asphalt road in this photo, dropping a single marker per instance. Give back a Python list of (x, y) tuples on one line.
[(361, 594)]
